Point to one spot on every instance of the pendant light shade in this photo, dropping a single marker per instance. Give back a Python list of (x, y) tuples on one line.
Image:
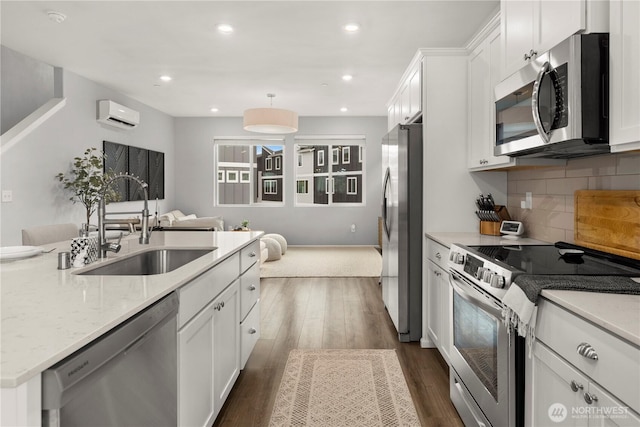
[(270, 120)]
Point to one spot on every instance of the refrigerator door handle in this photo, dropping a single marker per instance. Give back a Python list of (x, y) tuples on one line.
[(386, 200)]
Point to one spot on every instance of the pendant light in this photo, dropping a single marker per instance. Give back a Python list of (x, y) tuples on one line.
[(270, 120)]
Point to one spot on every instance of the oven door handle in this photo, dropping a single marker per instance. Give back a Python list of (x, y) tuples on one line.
[(487, 305)]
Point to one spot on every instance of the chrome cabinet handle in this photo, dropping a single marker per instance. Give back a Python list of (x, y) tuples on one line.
[(252, 287), (576, 386), (252, 254), (438, 255), (590, 398), (585, 350), (252, 331), (530, 55)]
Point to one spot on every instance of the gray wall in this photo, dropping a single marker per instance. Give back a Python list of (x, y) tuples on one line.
[(26, 85), (28, 169), (316, 225)]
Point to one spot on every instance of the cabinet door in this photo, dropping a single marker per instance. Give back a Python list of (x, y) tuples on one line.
[(625, 76), (608, 411), (415, 91), (480, 121), (405, 103), (557, 388), (226, 343), (434, 299), (195, 371), (445, 317), (517, 33), (557, 20)]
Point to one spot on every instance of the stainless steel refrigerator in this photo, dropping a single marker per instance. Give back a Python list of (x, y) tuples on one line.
[(402, 235)]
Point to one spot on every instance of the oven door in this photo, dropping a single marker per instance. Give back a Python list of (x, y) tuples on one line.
[(482, 355)]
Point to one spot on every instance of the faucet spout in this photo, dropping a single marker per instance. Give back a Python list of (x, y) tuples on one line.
[(145, 233)]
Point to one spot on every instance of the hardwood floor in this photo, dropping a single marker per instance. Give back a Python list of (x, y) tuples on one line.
[(330, 313)]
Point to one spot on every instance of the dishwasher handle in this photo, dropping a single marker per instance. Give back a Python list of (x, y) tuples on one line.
[(63, 380)]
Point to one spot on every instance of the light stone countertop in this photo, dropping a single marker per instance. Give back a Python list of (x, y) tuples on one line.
[(616, 313), (48, 314)]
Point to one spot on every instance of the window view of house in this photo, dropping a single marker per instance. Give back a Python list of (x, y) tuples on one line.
[(248, 173), (341, 182)]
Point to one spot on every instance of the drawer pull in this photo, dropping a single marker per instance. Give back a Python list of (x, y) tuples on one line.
[(252, 331), (585, 350), (252, 287), (438, 255), (576, 386), (590, 398), (252, 254)]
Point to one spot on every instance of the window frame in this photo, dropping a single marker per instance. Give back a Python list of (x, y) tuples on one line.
[(318, 162), (265, 183), (353, 179), (305, 186), (346, 154), (268, 163)]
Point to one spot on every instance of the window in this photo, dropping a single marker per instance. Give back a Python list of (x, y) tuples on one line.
[(352, 185), (340, 183), (244, 171), (335, 156), (302, 186), (270, 186), (346, 155)]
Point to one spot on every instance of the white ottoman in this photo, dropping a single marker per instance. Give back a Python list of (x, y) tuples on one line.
[(278, 238), (274, 251)]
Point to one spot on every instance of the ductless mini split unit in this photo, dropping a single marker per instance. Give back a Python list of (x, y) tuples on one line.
[(113, 114)]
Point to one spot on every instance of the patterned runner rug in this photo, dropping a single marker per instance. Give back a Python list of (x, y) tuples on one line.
[(343, 388)]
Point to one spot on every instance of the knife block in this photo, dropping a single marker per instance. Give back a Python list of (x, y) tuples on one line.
[(492, 228)]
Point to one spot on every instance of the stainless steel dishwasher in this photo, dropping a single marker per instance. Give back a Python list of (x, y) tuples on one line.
[(128, 377)]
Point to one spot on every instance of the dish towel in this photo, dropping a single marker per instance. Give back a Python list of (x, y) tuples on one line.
[(521, 299)]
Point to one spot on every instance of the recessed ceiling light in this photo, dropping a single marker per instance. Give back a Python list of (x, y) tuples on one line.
[(56, 17), (352, 27), (344, 109), (214, 110), (166, 78), (347, 77), (225, 28)]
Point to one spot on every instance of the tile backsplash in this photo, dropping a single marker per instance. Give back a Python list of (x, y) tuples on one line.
[(551, 216)]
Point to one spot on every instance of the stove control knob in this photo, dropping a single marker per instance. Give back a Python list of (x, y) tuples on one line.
[(479, 272), (459, 258), (497, 281), (452, 255), (486, 276)]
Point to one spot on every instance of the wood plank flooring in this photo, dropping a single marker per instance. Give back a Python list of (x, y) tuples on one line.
[(330, 313)]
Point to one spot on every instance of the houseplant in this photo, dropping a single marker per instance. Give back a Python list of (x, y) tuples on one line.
[(86, 181)]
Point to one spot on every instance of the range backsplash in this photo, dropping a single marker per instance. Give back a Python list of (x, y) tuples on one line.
[(552, 215)]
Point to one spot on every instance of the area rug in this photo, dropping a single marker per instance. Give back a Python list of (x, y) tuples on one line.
[(325, 261), (327, 388)]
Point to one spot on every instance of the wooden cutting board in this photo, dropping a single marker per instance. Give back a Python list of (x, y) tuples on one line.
[(609, 221)]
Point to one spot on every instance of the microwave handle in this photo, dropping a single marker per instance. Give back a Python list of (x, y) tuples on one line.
[(546, 136)]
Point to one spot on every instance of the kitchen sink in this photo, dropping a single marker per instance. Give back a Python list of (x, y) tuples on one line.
[(156, 261)]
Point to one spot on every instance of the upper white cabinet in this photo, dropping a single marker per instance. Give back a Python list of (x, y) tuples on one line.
[(406, 103), (532, 27), (624, 45), (484, 75)]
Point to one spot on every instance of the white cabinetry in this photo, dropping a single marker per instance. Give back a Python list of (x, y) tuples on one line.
[(406, 104), (580, 372), (208, 342), (624, 45), (438, 297), (533, 27), (249, 301)]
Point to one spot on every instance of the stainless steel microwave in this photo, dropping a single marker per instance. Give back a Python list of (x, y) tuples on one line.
[(557, 106)]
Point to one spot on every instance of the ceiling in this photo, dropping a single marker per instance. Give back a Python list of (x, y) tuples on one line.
[(297, 50)]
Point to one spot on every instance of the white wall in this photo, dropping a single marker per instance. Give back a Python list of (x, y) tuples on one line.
[(28, 169), (300, 225)]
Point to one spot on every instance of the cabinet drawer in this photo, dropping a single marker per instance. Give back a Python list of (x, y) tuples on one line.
[(250, 332), (437, 253), (617, 367), (249, 255), (249, 289), (195, 295)]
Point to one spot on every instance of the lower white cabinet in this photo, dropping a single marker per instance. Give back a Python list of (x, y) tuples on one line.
[(438, 298), (580, 374), (208, 359)]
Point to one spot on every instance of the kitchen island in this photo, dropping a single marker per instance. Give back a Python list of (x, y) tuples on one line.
[(48, 314)]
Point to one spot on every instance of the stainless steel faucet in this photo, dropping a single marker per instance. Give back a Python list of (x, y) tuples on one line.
[(145, 233)]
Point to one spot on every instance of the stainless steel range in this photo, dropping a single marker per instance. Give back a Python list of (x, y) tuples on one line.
[(487, 375)]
